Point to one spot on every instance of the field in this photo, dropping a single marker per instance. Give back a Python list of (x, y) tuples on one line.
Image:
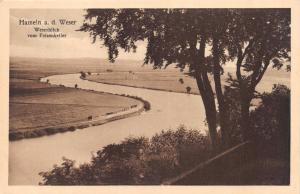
[(129, 73), (176, 81), (35, 105), (61, 105)]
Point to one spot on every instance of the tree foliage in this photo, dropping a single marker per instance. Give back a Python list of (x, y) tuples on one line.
[(253, 38), (172, 35), (259, 38)]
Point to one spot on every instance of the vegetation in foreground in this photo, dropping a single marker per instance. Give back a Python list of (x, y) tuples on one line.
[(135, 160), (152, 161)]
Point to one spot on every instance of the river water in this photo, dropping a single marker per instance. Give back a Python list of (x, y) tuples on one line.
[(28, 157)]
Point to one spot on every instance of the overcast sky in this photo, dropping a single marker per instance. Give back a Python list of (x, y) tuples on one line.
[(75, 45)]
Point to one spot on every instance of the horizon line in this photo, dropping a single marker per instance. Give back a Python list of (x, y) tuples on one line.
[(28, 57)]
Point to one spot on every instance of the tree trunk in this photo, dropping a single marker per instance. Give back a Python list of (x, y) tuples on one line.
[(210, 109), (206, 93), (219, 93), (245, 119), (244, 96)]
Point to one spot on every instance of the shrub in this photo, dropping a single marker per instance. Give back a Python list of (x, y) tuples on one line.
[(82, 126), (40, 132), (16, 136), (181, 80), (271, 120), (82, 75), (147, 105), (71, 128), (135, 160), (49, 131), (188, 89)]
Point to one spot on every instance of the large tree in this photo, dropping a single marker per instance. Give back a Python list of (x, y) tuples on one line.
[(181, 36), (172, 36)]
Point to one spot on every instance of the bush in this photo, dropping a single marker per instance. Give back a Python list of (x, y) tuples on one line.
[(135, 160), (82, 126), (15, 136), (82, 75), (147, 105), (188, 89), (71, 128), (181, 80), (41, 132), (49, 131), (271, 120)]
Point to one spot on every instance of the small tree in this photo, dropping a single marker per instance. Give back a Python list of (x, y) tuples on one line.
[(82, 75), (181, 80), (188, 89)]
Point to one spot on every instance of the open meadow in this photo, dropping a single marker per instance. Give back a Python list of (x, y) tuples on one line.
[(35, 105), (171, 79)]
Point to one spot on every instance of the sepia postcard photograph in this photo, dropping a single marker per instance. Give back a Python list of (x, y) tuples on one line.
[(114, 96)]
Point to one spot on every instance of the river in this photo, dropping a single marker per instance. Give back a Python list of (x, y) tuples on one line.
[(28, 157)]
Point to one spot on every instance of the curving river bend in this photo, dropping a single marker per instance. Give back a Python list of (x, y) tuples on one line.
[(28, 157)]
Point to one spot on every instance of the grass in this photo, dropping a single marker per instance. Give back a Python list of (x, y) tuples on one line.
[(34, 104), (38, 109), (50, 109), (126, 72), (166, 80), (169, 79)]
